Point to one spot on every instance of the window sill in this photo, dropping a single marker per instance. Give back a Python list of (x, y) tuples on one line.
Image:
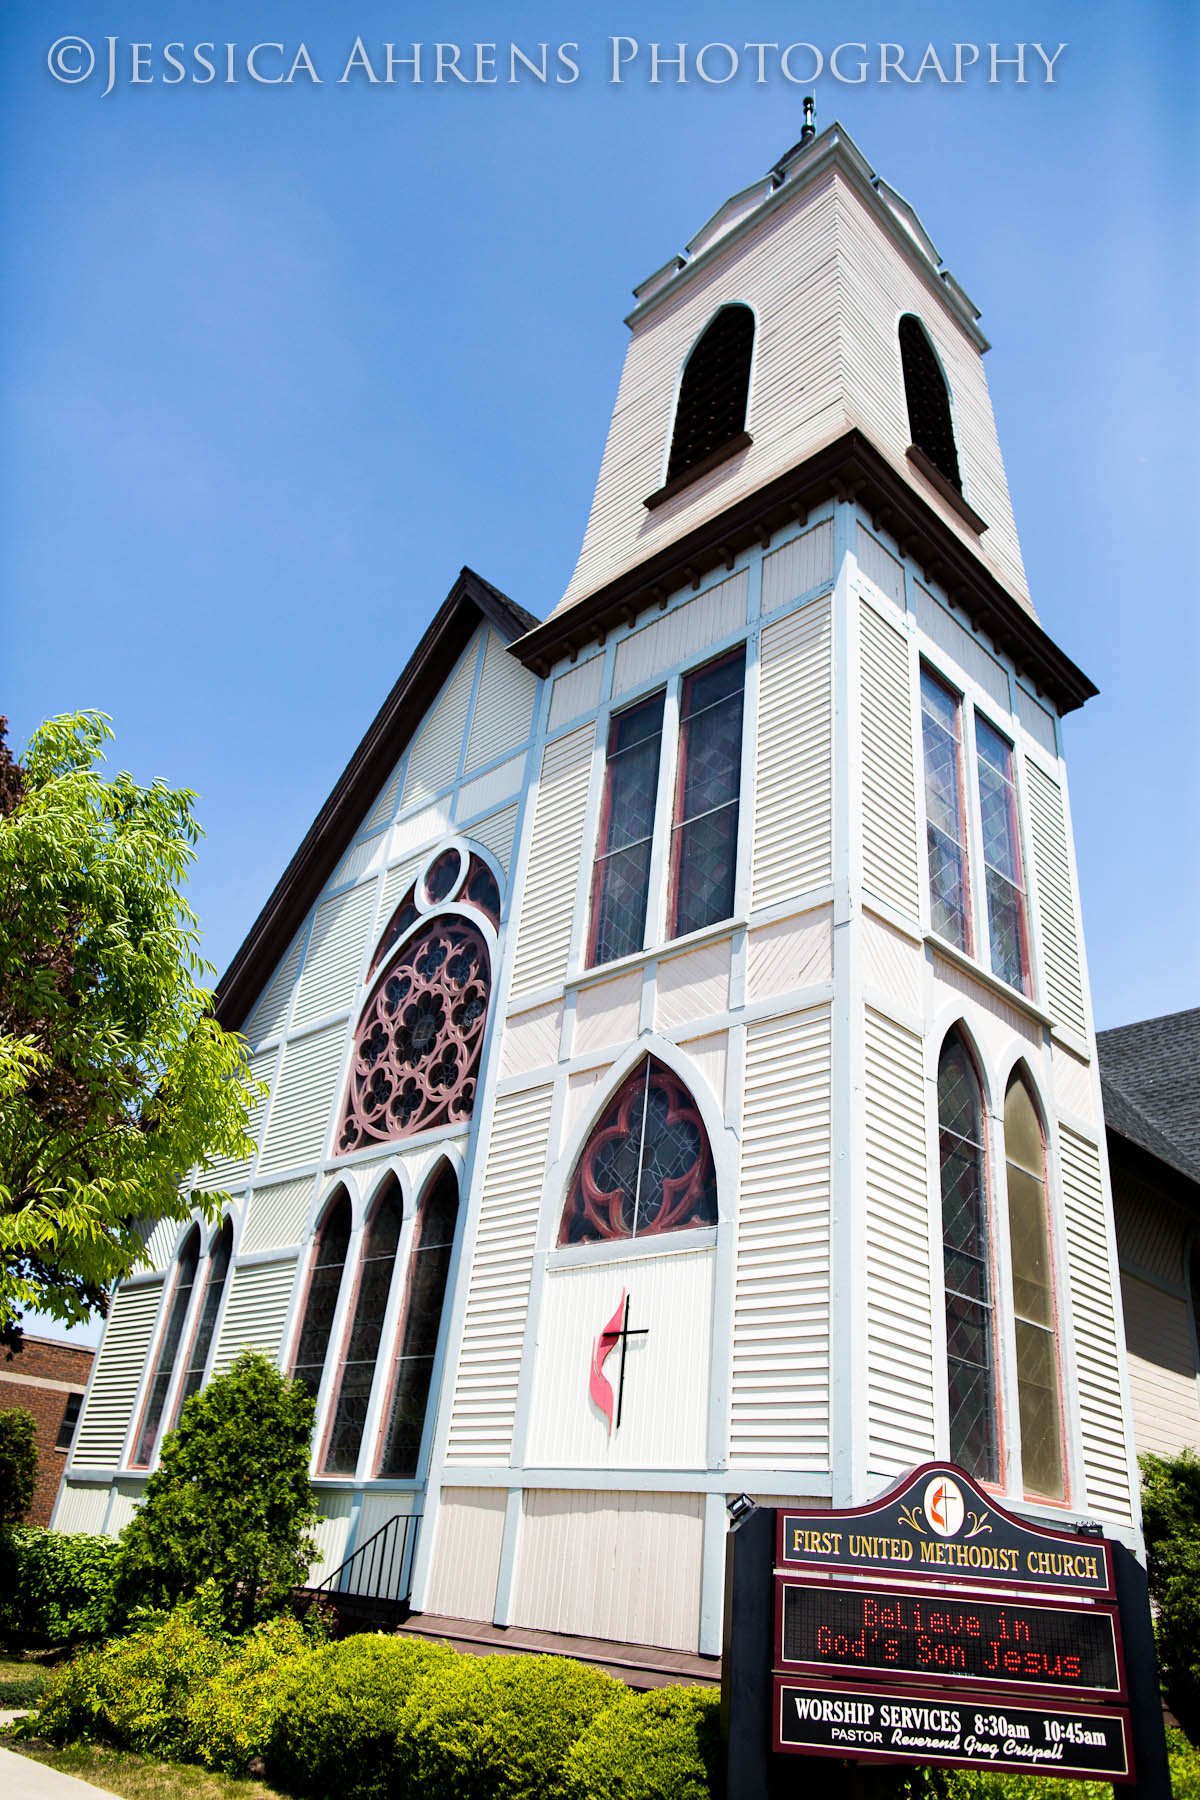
[(1010, 995), (946, 489), (723, 452), (614, 1250), (637, 959)]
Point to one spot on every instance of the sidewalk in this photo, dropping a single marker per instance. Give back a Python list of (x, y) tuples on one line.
[(23, 1779)]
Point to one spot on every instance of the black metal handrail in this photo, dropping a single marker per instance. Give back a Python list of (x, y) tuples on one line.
[(380, 1569)]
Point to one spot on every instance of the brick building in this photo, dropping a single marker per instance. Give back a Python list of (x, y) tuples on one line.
[(48, 1378)]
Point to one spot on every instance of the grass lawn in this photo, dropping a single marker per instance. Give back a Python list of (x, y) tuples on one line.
[(143, 1777)]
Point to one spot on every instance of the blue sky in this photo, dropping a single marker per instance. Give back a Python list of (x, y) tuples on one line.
[(280, 358)]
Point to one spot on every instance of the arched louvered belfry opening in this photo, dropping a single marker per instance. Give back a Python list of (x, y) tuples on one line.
[(929, 421), (324, 1286), (424, 1302), (967, 1264), (215, 1277), (1039, 1397), (168, 1350), (711, 409), (647, 1166), (356, 1370)]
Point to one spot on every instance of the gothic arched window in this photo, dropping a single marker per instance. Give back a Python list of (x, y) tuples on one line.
[(324, 1286), (711, 408), (928, 400), (1033, 1295), (647, 1167), (168, 1350), (966, 1252), (214, 1287), (425, 1294), (356, 1372)]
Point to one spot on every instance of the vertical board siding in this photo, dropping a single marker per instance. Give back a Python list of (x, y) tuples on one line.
[(554, 873), (339, 935), (576, 692), (798, 567), (880, 566), (1037, 720), (495, 833), (466, 1556), (684, 633), (899, 1301), (1098, 1337), (278, 1216), (269, 1016), (964, 650), (1061, 968), (256, 1311), (889, 788), (303, 1098), (229, 1171), (793, 788), (82, 1507), (119, 1368), (779, 1398), (489, 1363), (503, 706), (433, 758), (332, 1533)]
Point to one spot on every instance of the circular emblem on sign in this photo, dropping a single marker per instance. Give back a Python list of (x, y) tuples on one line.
[(944, 1507)]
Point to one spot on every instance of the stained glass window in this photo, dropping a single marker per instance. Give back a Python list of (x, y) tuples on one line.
[(324, 1286), (428, 1269), (928, 401), (945, 814), (164, 1368), (647, 1168), (708, 782), (1004, 880), (356, 1372), (621, 879), (1033, 1296), (966, 1252), (215, 1278), (712, 395)]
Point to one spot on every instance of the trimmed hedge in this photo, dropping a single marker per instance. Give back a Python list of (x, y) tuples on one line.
[(55, 1586), (658, 1746)]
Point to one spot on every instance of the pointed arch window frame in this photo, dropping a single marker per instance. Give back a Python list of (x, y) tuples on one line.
[(957, 1038), (676, 479), (918, 454), (1021, 1075), (145, 1442)]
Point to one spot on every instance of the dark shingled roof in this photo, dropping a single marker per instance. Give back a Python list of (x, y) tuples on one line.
[(1150, 1076)]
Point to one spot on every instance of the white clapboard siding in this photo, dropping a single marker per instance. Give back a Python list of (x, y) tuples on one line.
[(879, 565), (1037, 720), (684, 633), (82, 1506), (230, 1171), (357, 860), (779, 1403), (277, 1216), (798, 567), (160, 1243), (553, 874), (384, 809), (490, 790), (485, 1386), (270, 1015), (899, 1303), (256, 1311), (1056, 900), (793, 780), (335, 951), (1098, 1337), (889, 791), (577, 692), (503, 706), (303, 1100), (119, 1368), (433, 758), (495, 833), (965, 651)]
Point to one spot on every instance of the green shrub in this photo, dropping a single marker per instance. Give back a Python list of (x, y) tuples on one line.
[(231, 1718), (500, 1727), (340, 1720), (54, 1586), (1171, 1522), (18, 1463), (658, 1746)]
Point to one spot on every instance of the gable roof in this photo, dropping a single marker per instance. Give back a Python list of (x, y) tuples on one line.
[(470, 601), (1150, 1077)]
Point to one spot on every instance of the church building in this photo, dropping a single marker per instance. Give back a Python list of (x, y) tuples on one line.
[(681, 1070)]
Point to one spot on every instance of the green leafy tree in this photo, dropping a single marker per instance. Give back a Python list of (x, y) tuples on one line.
[(18, 1464), (115, 1079), (230, 1503), (1171, 1522)]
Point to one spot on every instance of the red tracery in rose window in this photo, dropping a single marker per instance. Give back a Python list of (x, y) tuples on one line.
[(647, 1167), (416, 1052), (479, 889)]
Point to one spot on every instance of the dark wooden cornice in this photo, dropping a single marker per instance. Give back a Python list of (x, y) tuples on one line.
[(850, 468), (469, 600)]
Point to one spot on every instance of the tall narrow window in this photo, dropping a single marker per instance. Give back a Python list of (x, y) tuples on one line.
[(1004, 879), (214, 1286), (928, 401), (945, 814), (621, 878), (428, 1269), (711, 409), (1033, 1296), (647, 1168), (704, 840), (967, 1262), (164, 1368), (324, 1286), (357, 1371)]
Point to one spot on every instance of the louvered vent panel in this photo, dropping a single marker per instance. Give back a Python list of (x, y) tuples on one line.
[(503, 706), (485, 1386), (270, 1015), (1056, 900), (396, 884), (384, 809), (303, 1101), (101, 1434), (797, 568), (687, 632), (256, 1312), (793, 783), (230, 1172), (889, 792), (278, 1216), (1098, 1337), (779, 1402), (554, 873), (496, 834), (491, 790), (899, 1301), (357, 860), (433, 758), (339, 936), (160, 1243), (880, 566)]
